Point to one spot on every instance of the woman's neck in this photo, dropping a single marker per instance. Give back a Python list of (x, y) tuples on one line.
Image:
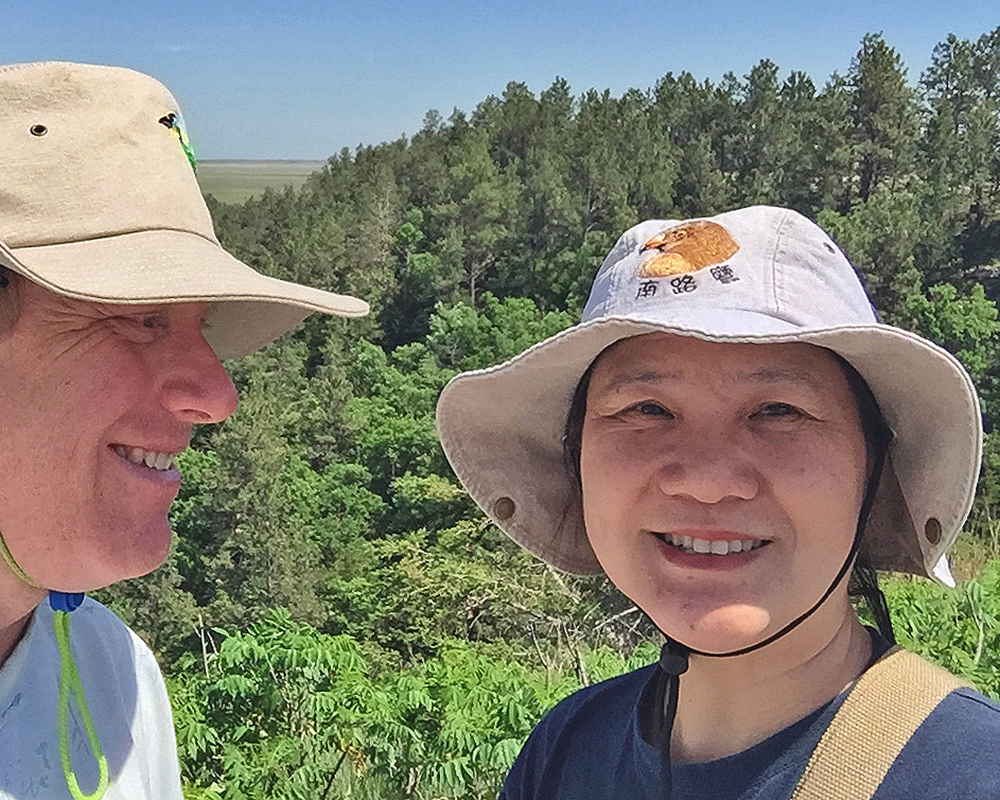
[(726, 705)]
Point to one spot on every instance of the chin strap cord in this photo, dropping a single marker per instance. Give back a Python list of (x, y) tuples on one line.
[(63, 604), (674, 655), (14, 567), (864, 583), (672, 664)]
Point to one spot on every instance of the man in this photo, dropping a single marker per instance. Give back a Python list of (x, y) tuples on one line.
[(116, 304)]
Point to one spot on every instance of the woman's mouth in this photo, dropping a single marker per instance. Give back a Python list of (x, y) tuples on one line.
[(715, 547)]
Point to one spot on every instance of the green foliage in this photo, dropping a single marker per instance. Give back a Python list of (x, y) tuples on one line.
[(883, 114), (337, 619), (959, 629), (428, 501), (283, 711), (967, 326), (881, 237), (462, 337), (460, 720), (276, 713)]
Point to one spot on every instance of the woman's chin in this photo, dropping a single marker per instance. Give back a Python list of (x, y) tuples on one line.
[(718, 630)]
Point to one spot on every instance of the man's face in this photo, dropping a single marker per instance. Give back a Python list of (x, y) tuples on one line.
[(721, 483), (95, 401)]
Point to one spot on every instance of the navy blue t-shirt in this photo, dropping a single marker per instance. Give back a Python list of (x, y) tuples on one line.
[(589, 747)]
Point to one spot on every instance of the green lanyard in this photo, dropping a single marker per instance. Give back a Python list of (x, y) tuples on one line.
[(63, 604), (69, 683)]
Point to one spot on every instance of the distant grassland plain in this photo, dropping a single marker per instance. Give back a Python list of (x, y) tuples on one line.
[(235, 181)]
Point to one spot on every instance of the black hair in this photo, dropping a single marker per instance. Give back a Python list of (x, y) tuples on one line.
[(10, 298), (863, 581)]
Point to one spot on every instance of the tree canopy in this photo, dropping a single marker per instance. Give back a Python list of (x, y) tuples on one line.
[(337, 619)]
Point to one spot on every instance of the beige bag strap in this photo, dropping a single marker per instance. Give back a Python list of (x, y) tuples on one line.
[(878, 717)]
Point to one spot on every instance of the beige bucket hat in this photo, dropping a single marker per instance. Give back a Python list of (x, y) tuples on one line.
[(755, 275), (99, 201)]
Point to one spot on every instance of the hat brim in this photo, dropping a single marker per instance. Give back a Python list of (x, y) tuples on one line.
[(502, 430), (167, 266)]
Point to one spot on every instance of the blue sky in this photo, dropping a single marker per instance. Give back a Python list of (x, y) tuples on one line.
[(302, 79)]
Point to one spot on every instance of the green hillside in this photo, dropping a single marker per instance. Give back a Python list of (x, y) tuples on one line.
[(238, 181), (337, 619)]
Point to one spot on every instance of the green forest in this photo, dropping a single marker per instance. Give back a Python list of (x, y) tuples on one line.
[(337, 620)]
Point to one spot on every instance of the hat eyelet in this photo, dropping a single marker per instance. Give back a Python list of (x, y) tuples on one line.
[(503, 509), (932, 530), (38, 130)]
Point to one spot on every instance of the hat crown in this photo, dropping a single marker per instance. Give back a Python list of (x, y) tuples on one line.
[(760, 260), (89, 152)]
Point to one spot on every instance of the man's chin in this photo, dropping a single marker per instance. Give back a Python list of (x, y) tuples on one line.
[(130, 556)]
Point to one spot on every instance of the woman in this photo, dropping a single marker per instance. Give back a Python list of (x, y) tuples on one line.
[(116, 304), (729, 434)]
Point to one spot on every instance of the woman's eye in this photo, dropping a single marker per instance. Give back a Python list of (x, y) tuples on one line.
[(777, 410), (651, 409)]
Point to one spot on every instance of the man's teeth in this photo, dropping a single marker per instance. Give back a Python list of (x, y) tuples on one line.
[(148, 458), (718, 547)]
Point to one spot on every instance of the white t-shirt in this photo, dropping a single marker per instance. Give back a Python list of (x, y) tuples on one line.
[(127, 700)]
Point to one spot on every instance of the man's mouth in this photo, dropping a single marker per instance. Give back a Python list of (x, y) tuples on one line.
[(715, 547), (161, 462)]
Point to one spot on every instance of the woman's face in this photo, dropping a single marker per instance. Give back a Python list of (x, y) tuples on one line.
[(721, 482), (95, 399)]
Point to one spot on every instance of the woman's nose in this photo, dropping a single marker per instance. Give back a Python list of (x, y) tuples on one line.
[(708, 472)]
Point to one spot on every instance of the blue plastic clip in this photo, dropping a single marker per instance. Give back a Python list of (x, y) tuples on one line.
[(65, 601)]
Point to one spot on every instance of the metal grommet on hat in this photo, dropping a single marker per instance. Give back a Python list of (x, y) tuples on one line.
[(38, 130), (503, 508), (932, 530)]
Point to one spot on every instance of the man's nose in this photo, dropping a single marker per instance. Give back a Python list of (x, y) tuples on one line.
[(198, 389)]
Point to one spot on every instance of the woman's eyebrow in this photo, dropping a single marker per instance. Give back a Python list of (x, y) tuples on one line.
[(782, 375), (764, 375), (644, 377)]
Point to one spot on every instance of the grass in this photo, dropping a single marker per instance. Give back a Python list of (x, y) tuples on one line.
[(978, 544), (236, 181)]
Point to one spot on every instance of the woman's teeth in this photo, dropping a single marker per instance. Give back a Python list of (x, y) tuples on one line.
[(147, 458), (717, 547)]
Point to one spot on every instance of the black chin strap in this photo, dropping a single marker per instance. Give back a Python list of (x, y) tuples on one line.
[(674, 655), (673, 663)]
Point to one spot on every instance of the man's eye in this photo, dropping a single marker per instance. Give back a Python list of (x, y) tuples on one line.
[(651, 409), (140, 327), (149, 321)]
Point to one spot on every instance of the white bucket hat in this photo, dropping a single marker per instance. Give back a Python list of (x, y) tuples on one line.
[(99, 201), (755, 275)]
